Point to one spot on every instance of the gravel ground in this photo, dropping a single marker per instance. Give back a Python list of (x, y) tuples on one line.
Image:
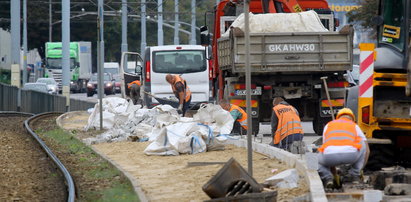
[(167, 178), (26, 174)]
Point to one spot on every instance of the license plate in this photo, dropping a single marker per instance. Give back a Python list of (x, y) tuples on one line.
[(256, 91)]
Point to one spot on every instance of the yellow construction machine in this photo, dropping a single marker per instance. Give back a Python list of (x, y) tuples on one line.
[(384, 102)]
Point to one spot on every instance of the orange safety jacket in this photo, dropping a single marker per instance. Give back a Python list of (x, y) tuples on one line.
[(243, 120), (341, 132), (134, 82), (186, 88), (288, 122)]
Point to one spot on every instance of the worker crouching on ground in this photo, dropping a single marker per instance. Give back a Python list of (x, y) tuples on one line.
[(135, 91), (181, 91), (239, 116), (343, 143), (286, 127)]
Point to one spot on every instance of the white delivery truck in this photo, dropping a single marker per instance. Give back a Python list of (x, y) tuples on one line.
[(188, 61)]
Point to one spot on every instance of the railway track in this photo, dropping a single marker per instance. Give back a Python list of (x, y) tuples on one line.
[(29, 171)]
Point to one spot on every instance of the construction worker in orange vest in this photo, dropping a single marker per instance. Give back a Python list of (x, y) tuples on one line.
[(343, 143), (134, 91), (285, 125), (239, 116), (181, 91)]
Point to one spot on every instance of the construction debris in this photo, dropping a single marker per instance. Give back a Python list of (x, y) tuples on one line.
[(169, 133), (286, 179)]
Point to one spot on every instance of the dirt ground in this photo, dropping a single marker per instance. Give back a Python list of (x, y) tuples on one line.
[(26, 173), (167, 178)]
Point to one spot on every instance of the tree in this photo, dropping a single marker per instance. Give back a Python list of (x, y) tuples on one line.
[(364, 13)]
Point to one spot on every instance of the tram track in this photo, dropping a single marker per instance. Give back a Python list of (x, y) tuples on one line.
[(29, 169)]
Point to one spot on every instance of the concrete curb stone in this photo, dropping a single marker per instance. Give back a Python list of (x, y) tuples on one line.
[(317, 193)]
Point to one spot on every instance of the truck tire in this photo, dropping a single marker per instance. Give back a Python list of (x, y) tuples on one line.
[(256, 126), (381, 156), (319, 123)]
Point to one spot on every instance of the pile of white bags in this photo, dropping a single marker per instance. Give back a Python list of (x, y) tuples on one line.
[(307, 21), (169, 133)]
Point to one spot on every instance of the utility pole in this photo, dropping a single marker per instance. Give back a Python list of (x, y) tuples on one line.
[(25, 42), (248, 86), (124, 45), (100, 87), (15, 32), (176, 23), (143, 27), (65, 36), (193, 22), (160, 33), (50, 21)]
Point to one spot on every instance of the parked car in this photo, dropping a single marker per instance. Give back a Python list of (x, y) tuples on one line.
[(39, 87), (52, 85), (117, 83), (108, 85)]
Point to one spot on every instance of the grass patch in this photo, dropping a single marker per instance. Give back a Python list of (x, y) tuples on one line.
[(95, 178)]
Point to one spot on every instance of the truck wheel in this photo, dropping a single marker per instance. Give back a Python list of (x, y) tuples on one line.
[(319, 123), (381, 156), (256, 126)]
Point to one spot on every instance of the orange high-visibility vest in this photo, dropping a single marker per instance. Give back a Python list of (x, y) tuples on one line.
[(243, 120), (186, 88), (341, 132), (288, 122), (134, 82)]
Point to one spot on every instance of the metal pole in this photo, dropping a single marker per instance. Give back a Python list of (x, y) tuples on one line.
[(176, 23), (15, 32), (160, 33), (193, 22), (100, 86), (50, 21), (65, 35), (124, 45), (25, 73), (248, 87), (143, 27)]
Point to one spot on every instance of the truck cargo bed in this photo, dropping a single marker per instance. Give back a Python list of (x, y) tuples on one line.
[(287, 52)]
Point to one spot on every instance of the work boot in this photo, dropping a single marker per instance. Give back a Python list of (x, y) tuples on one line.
[(355, 179), (329, 184)]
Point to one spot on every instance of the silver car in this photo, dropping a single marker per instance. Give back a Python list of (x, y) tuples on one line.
[(52, 85), (39, 87)]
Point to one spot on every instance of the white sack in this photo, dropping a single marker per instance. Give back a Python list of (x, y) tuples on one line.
[(114, 113), (307, 21), (216, 117)]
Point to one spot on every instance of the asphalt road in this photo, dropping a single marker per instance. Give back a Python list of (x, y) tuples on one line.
[(94, 98)]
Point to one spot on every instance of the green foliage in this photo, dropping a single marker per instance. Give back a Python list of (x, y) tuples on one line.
[(5, 76), (84, 28), (112, 185), (364, 13)]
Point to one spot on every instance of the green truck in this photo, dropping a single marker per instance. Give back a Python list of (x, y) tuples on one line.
[(80, 64)]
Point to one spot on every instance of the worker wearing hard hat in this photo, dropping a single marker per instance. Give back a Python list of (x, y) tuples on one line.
[(285, 125), (239, 116), (134, 91), (343, 143), (181, 91)]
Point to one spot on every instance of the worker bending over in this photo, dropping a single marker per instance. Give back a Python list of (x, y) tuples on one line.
[(181, 91), (285, 125), (239, 116), (343, 143), (135, 91)]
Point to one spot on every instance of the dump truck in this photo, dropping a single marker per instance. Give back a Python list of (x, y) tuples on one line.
[(80, 64), (287, 64), (382, 100)]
